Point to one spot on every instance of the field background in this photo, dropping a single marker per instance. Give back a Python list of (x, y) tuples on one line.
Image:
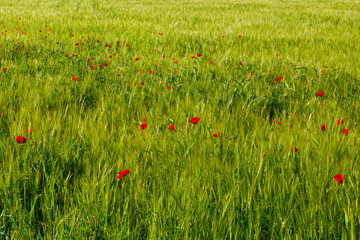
[(183, 184)]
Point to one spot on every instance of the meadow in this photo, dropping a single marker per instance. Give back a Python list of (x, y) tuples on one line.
[(179, 119)]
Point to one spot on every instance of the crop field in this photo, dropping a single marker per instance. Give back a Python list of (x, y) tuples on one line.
[(182, 119)]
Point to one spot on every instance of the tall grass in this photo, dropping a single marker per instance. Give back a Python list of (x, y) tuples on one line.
[(183, 184)]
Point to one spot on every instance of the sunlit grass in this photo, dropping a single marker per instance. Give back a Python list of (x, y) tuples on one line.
[(185, 183)]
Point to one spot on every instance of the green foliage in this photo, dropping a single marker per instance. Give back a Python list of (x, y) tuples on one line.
[(183, 184)]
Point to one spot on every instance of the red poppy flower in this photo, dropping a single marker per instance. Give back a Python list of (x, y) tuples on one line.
[(169, 87), (31, 129), (161, 34), (142, 70), (106, 64), (194, 120), (277, 122), (137, 59), (122, 174), (339, 178), (345, 131), (110, 56), (211, 62), (199, 55), (106, 45), (143, 126), (76, 44), (323, 127), (319, 94), (126, 45), (57, 43), (338, 122), (75, 79), (163, 56), (184, 55), (97, 40), (293, 149), (278, 79), (26, 52), (239, 36), (151, 71), (92, 67), (144, 120), (20, 139), (142, 83), (216, 134), (154, 50), (4, 69), (172, 128), (222, 36), (240, 63), (192, 57)]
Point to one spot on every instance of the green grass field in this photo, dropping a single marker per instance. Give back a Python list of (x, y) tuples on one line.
[(246, 183)]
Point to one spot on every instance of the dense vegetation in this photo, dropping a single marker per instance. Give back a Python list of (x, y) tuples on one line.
[(98, 87)]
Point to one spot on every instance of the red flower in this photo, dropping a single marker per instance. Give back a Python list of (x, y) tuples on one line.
[(240, 63), (323, 127), (143, 126), (4, 69), (106, 64), (26, 52), (338, 122), (126, 45), (106, 45), (76, 44), (345, 131), (278, 79), (339, 178), (122, 174), (137, 59), (319, 94), (151, 71), (172, 128), (169, 87), (161, 34), (277, 122), (222, 36), (194, 120), (20, 139), (192, 56), (27, 130), (142, 70), (239, 36), (211, 62), (75, 79), (293, 149), (154, 50), (199, 55), (144, 120), (142, 83), (163, 56), (57, 43), (216, 134)]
